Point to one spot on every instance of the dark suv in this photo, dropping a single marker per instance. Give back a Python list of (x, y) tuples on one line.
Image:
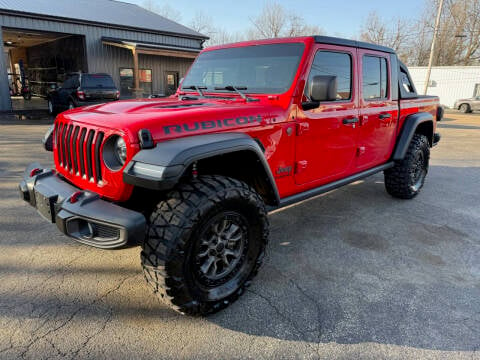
[(80, 90)]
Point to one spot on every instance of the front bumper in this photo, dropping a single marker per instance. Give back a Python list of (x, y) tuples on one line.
[(85, 217)]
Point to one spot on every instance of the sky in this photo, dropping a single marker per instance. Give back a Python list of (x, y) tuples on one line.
[(337, 18)]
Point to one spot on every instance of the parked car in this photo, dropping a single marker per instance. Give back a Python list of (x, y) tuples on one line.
[(255, 126), (81, 89), (468, 105)]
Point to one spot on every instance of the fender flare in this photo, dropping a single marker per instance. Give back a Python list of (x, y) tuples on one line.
[(412, 122), (161, 167)]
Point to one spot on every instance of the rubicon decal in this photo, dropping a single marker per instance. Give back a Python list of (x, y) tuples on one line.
[(212, 124)]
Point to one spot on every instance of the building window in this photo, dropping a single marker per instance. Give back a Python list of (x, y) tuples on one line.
[(126, 82), (145, 76)]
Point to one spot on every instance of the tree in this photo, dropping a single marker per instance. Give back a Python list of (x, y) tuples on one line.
[(165, 10), (275, 21), (395, 36), (458, 40)]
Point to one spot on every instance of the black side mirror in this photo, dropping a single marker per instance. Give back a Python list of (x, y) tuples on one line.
[(321, 88)]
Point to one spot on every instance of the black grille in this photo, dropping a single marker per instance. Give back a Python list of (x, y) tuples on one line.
[(106, 232), (78, 150)]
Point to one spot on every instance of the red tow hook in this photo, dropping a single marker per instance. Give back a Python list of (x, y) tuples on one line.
[(75, 196), (35, 171)]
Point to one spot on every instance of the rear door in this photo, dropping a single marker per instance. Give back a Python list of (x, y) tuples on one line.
[(378, 109), (326, 141)]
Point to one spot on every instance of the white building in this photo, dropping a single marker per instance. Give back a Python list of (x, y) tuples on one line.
[(448, 82)]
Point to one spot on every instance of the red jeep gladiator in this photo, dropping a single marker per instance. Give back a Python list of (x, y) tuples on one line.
[(255, 126)]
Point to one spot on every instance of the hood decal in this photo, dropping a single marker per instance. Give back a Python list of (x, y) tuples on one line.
[(212, 124)]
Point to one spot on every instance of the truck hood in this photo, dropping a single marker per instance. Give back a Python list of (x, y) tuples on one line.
[(171, 117)]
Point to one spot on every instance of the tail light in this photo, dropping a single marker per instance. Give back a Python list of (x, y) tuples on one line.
[(81, 95), (117, 94)]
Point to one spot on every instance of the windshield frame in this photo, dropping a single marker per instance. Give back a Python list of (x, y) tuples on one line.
[(211, 90)]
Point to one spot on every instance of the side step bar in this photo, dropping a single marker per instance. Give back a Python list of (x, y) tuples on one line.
[(330, 186)]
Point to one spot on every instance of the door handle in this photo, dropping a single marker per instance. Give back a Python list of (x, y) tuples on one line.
[(349, 121), (384, 116)]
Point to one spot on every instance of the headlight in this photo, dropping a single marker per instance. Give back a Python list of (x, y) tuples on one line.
[(114, 152), (121, 150)]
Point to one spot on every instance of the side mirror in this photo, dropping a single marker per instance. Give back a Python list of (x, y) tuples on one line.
[(323, 88)]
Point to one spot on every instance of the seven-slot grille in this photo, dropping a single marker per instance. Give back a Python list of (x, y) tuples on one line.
[(78, 150)]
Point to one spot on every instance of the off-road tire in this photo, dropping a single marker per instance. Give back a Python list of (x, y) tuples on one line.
[(406, 178), (174, 232), (465, 108)]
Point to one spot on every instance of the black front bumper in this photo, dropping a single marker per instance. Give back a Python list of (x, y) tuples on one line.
[(86, 218)]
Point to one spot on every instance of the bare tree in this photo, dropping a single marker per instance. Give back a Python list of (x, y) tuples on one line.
[(275, 21), (394, 34), (165, 10), (458, 40)]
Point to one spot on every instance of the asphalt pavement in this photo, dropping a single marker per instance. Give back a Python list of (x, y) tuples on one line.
[(351, 274)]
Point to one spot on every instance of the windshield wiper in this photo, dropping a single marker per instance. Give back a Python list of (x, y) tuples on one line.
[(237, 89), (198, 89)]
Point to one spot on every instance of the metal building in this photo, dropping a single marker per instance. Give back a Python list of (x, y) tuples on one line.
[(44, 40), (450, 83)]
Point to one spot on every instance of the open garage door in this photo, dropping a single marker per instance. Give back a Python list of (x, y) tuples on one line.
[(37, 61)]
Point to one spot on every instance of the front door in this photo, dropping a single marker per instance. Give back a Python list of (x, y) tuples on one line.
[(326, 141), (378, 110), (171, 82)]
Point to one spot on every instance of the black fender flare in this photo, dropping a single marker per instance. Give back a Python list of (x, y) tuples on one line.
[(171, 158), (412, 122)]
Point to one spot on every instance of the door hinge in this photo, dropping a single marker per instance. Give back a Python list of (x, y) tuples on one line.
[(302, 128), (300, 166)]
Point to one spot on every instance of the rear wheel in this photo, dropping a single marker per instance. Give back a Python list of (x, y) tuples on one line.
[(465, 108), (407, 177), (205, 243)]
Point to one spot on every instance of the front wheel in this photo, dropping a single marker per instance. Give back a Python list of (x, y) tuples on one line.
[(204, 244), (406, 178)]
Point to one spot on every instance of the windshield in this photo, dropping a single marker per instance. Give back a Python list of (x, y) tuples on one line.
[(95, 81), (261, 69)]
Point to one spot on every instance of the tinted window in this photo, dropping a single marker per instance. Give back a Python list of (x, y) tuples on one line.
[(267, 69), (70, 82), (405, 81), (336, 64), (96, 80), (375, 78)]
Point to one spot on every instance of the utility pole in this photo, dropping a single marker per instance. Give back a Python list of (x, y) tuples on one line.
[(432, 49)]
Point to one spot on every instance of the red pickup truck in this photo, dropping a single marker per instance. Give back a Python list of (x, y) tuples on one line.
[(254, 126)]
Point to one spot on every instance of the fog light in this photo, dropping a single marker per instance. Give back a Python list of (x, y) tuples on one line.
[(150, 170)]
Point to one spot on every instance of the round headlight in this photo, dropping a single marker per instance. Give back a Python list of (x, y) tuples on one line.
[(121, 150), (114, 152)]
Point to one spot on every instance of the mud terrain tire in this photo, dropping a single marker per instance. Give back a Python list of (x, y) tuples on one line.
[(406, 178), (204, 244)]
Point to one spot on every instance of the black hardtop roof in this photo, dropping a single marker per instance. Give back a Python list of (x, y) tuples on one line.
[(351, 43)]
